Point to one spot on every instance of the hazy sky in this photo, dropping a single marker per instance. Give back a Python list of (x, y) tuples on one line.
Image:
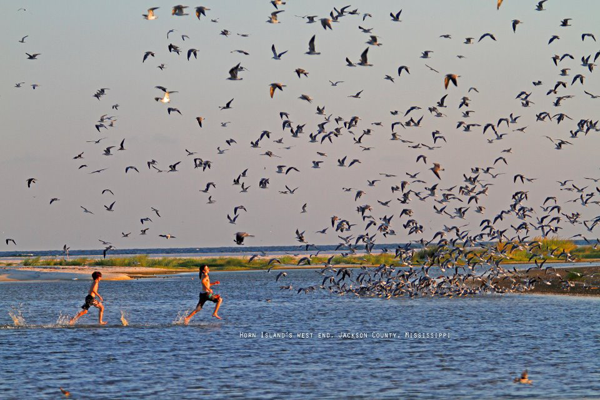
[(86, 46)]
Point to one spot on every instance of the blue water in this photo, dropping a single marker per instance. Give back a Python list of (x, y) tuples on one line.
[(487, 341)]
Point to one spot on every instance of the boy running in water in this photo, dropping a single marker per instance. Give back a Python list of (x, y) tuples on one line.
[(90, 300), (206, 294)]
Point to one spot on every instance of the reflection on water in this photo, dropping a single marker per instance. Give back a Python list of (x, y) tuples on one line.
[(293, 346), (124, 321)]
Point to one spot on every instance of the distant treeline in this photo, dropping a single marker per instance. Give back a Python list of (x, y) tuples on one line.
[(508, 252)]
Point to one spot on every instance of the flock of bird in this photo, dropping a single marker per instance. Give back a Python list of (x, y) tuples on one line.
[(453, 267)]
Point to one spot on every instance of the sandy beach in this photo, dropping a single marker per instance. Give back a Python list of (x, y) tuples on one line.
[(70, 273), (584, 280)]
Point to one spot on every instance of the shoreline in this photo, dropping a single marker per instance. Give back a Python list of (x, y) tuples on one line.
[(584, 280), (75, 273)]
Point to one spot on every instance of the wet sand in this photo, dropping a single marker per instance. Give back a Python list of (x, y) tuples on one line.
[(583, 281)]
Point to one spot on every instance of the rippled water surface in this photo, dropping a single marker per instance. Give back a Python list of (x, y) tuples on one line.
[(486, 342)]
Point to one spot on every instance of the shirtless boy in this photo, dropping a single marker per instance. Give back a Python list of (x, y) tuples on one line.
[(206, 294), (91, 300)]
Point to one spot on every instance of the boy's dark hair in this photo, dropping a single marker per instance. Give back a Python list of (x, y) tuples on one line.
[(96, 275)]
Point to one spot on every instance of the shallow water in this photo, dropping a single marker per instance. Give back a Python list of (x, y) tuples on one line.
[(487, 342)]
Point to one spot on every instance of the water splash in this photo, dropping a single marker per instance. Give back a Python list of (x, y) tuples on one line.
[(16, 313), (123, 319), (63, 320), (180, 317)]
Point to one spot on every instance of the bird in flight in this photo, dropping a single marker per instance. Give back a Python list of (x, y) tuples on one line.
[(274, 86), (166, 97), (364, 60), (326, 23), (226, 106), (201, 11), (179, 11), (311, 48), (240, 236), (150, 16), (436, 170), (233, 73), (451, 78), (396, 17), (273, 17), (277, 56)]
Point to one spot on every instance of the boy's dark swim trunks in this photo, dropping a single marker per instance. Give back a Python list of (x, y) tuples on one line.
[(204, 297), (89, 301)]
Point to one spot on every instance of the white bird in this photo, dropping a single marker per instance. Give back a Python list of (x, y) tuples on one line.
[(166, 97), (273, 17), (150, 16)]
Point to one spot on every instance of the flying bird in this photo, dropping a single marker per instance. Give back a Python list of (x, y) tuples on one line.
[(277, 56), (274, 86), (326, 23), (515, 22), (487, 35), (193, 52), (396, 17), (226, 106), (273, 17), (364, 60), (150, 16), (451, 78), (179, 11), (436, 170), (306, 97), (311, 48), (201, 11), (300, 72), (240, 236), (233, 73), (166, 97)]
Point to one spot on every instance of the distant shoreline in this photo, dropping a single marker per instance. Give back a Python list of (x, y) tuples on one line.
[(583, 280)]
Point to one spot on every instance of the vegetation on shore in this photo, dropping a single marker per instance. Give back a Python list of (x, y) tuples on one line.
[(549, 249)]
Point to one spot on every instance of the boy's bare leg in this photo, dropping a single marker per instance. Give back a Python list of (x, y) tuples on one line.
[(186, 320), (75, 318), (217, 308), (101, 313)]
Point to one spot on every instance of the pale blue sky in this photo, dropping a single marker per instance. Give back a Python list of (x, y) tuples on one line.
[(88, 45)]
